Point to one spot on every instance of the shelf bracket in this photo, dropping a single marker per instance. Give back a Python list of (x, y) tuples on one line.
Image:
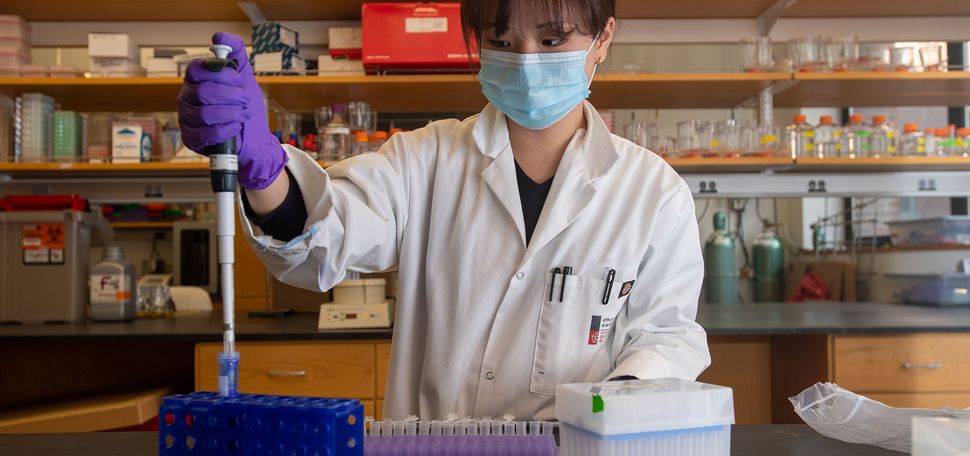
[(251, 9), (767, 19)]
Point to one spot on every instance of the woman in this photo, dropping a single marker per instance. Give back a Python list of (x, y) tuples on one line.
[(534, 247)]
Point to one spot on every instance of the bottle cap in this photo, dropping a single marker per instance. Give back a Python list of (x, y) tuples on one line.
[(378, 136), (910, 128), (963, 131), (878, 120), (825, 120), (360, 136), (799, 118), (856, 118)]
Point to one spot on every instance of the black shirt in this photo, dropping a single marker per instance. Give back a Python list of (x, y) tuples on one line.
[(288, 220)]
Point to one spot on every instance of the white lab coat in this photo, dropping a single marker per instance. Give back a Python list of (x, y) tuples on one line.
[(475, 331)]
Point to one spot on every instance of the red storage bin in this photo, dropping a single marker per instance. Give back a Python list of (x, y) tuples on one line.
[(415, 37), (12, 203)]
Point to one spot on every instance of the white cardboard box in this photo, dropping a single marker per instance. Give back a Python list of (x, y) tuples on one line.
[(126, 141), (329, 65), (112, 45), (345, 38), (159, 67)]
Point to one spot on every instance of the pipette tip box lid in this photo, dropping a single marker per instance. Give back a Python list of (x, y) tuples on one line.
[(644, 416), (251, 424)]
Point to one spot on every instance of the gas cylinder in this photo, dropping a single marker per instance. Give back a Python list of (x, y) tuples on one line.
[(769, 267), (720, 264)]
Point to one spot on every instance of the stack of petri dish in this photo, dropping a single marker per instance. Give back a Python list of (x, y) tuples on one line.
[(67, 136), (35, 113)]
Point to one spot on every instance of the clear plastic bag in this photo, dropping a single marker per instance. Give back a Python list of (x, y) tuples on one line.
[(843, 415)]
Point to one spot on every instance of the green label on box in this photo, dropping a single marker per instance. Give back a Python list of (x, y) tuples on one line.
[(598, 404)]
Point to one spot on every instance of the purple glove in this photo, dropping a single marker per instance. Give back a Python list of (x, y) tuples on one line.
[(214, 106)]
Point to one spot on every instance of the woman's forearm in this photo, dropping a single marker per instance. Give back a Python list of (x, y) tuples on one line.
[(265, 201)]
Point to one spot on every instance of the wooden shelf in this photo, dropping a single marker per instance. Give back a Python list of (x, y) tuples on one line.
[(873, 88), (397, 93), (142, 225), (921, 248), (227, 10), (898, 164), (155, 169), (728, 165)]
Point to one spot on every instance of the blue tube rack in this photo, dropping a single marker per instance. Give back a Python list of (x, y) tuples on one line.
[(253, 424)]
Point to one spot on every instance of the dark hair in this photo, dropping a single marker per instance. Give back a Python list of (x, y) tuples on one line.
[(591, 15)]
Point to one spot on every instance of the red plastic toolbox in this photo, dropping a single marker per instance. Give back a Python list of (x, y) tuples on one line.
[(415, 37)]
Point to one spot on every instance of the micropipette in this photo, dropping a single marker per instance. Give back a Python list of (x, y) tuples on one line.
[(223, 168)]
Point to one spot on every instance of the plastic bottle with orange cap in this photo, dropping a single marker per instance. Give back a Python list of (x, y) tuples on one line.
[(856, 138), (912, 143), (828, 138), (883, 139), (800, 138)]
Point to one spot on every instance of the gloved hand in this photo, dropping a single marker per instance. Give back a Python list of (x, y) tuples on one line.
[(215, 106)]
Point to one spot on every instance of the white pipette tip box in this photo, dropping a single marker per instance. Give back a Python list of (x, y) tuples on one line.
[(645, 417)]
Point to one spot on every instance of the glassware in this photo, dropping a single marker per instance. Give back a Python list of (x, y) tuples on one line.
[(902, 59), (321, 117), (767, 143), (336, 135), (639, 132), (664, 146), (728, 137), (930, 136), (804, 53), (361, 143), (840, 52), (694, 138), (944, 142), (883, 137), (290, 124), (875, 57), (756, 54), (933, 58), (912, 143), (828, 138), (962, 142), (800, 138), (856, 138), (361, 117), (377, 139)]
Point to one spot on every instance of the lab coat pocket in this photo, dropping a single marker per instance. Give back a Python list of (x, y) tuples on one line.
[(571, 331)]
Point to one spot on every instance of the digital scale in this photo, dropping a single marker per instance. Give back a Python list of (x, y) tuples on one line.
[(362, 315)]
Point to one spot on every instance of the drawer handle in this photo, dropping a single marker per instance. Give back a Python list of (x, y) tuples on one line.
[(923, 366), (285, 374)]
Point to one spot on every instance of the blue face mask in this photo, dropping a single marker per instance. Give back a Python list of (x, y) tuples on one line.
[(535, 90)]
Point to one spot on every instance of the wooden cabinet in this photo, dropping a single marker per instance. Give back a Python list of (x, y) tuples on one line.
[(383, 363), (744, 364), (250, 274), (905, 370), (333, 369)]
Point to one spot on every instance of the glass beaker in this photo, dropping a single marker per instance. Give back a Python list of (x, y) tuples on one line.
[(769, 142), (321, 117), (902, 59), (664, 146), (361, 117), (804, 53), (694, 137), (874, 57), (639, 132), (933, 58), (728, 137), (756, 54), (840, 52)]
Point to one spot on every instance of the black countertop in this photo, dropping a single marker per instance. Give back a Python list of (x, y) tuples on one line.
[(775, 440), (742, 319)]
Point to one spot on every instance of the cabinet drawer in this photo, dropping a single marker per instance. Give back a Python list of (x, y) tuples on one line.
[(383, 363), (295, 369), (903, 363), (922, 400)]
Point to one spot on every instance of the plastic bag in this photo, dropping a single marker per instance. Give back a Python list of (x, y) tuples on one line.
[(843, 415)]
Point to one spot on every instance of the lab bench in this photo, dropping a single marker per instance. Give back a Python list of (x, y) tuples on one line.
[(902, 355), (776, 440)]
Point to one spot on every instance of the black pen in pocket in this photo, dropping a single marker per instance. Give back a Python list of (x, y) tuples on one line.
[(552, 286), (610, 276), (562, 289)]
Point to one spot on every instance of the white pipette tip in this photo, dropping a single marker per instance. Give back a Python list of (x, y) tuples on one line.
[(221, 50)]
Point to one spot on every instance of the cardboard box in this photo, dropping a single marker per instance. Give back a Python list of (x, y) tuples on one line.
[(415, 36), (839, 277), (278, 63), (329, 65), (112, 45), (115, 68), (127, 143), (160, 67), (271, 36), (345, 42)]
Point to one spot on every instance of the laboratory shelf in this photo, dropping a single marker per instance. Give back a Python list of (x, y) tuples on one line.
[(397, 93), (875, 88), (729, 165), (142, 225), (169, 169), (823, 165), (227, 10)]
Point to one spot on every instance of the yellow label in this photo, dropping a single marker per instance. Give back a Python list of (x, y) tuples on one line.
[(808, 134), (891, 134), (891, 150), (809, 146), (837, 134), (767, 139), (715, 143), (920, 149), (921, 141)]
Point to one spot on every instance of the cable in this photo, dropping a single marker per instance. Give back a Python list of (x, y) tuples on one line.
[(707, 205)]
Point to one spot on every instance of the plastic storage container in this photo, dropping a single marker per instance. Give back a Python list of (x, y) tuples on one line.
[(952, 230), (44, 249), (883, 137), (800, 137), (645, 418), (951, 289), (856, 138), (912, 143)]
